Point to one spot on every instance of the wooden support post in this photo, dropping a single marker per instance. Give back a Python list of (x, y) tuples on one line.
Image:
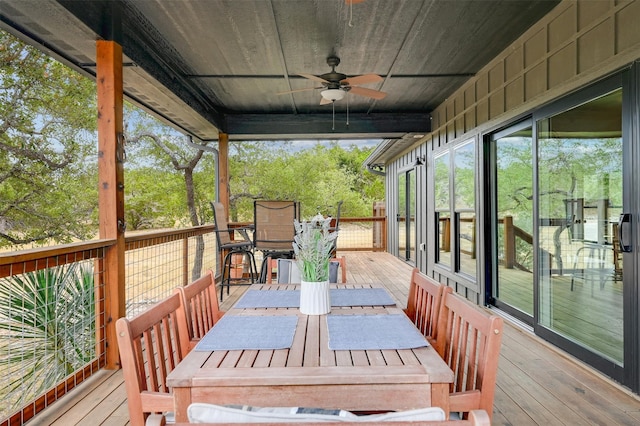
[(111, 185), (185, 261), (223, 160), (446, 235), (473, 237), (509, 243)]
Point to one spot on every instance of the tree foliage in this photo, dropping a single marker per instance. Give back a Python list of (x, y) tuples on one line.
[(166, 183), (48, 163), (47, 159), (318, 178)]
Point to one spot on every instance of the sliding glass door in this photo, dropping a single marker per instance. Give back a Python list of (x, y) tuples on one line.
[(580, 199), (562, 208), (406, 219), (512, 182)]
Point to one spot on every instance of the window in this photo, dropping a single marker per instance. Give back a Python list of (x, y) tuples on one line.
[(455, 217)]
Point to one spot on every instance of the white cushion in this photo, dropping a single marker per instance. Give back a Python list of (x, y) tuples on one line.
[(420, 414), (210, 413)]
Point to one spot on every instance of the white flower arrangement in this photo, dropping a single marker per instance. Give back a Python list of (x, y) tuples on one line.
[(312, 246)]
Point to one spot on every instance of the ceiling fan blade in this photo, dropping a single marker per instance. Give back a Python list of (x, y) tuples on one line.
[(298, 90), (314, 78), (369, 93), (324, 101), (362, 79)]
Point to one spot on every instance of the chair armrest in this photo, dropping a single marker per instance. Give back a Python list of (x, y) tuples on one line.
[(155, 420), (243, 230), (479, 418)]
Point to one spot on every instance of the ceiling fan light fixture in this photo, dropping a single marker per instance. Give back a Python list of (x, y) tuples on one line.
[(333, 94)]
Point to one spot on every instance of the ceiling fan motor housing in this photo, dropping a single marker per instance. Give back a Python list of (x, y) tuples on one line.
[(333, 77)]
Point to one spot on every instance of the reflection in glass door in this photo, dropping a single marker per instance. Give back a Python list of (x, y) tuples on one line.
[(406, 218), (442, 201), (580, 188), (512, 181)]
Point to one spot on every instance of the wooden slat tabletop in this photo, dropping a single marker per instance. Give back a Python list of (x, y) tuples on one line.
[(310, 374)]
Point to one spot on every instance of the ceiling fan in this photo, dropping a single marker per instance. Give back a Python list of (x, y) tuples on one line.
[(335, 85)]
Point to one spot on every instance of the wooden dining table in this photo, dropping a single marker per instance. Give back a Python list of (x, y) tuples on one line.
[(309, 373)]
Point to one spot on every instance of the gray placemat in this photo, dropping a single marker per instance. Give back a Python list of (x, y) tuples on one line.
[(269, 299), (360, 297), (291, 298), (362, 332), (234, 332)]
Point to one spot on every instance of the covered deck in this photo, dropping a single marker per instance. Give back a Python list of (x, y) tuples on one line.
[(537, 385)]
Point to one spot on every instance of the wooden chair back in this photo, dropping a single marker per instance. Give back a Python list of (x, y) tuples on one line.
[(342, 261), (423, 304), (469, 341), (151, 345), (201, 306)]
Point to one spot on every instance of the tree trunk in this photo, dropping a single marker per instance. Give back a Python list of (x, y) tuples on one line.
[(196, 271)]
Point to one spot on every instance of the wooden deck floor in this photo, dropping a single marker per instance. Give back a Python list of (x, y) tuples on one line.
[(537, 385)]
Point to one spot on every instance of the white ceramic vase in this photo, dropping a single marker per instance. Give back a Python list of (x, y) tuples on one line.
[(315, 298)]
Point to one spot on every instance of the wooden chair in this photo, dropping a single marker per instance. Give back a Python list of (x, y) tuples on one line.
[(200, 305), (151, 345), (469, 341), (273, 265), (342, 261), (423, 304)]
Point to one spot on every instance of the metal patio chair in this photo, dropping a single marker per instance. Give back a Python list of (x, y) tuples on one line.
[(227, 247), (274, 230)]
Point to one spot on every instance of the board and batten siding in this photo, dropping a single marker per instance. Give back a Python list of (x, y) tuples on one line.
[(577, 43)]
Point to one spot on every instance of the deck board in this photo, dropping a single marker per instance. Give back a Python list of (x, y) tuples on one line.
[(537, 384)]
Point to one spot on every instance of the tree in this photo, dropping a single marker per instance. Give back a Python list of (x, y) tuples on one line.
[(170, 153), (47, 152), (152, 199)]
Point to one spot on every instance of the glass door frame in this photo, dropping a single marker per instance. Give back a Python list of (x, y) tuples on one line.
[(491, 243), (410, 191), (630, 316), (629, 81)]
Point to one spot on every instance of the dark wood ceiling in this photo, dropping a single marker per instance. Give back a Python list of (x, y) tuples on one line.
[(210, 66)]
